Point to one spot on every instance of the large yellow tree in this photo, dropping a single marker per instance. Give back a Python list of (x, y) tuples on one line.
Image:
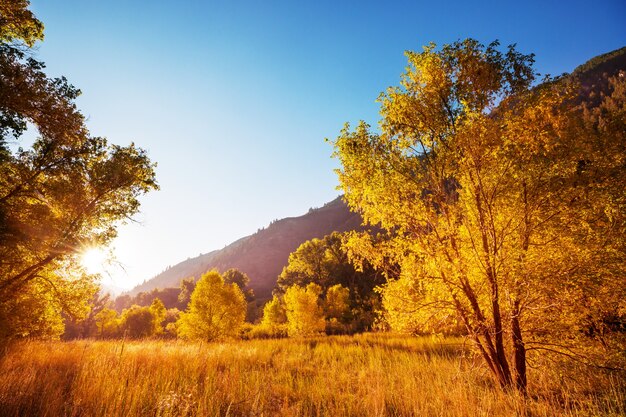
[(502, 206), (66, 192)]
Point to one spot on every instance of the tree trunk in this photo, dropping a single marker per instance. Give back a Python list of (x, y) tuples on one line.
[(519, 350), (501, 360)]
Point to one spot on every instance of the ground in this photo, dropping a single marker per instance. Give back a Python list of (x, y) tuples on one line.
[(363, 375)]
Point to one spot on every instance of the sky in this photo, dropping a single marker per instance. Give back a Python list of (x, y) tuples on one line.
[(233, 99)]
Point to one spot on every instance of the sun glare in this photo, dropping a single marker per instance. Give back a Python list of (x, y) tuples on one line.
[(93, 260)]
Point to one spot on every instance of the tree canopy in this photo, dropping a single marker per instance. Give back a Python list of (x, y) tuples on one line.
[(18, 24), (216, 310), (325, 262), (68, 191), (305, 316), (241, 279), (503, 205)]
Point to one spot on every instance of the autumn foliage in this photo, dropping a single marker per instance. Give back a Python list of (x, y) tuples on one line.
[(67, 192), (216, 310), (503, 205)]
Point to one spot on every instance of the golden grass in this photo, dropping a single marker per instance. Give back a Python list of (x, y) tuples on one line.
[(365, 375)]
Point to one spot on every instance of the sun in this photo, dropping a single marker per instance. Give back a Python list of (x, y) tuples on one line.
[(93, 260)]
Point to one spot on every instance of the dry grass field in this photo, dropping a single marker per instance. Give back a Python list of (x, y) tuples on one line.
[(365, 375)]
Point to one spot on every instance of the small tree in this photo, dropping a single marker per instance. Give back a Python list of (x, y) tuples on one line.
[(304, 315), (107, 323), (138, 322), (337, 309), (157, 308), (169, 325), (216, 310), (187, 286), (274, 315), (326, 262)]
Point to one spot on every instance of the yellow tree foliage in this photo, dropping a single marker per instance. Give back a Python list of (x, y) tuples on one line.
[(304, 315), (337, 302), (216, 310), (107, 323), (66, 192), (503, 208), (274, 314), (326, 262), (33, 313), (312, 261), (159, 313), (137, 322), (18, 24)]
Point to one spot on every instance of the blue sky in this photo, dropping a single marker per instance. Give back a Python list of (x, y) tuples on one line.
[(233, 99)]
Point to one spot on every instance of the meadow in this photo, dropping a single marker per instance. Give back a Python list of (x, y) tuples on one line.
[(363, 375)]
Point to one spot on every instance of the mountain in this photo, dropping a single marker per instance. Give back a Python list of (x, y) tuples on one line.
[(264, 254), (594, 75)]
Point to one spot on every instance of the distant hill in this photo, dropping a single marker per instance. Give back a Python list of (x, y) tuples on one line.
[(593, 75), (264, 254)]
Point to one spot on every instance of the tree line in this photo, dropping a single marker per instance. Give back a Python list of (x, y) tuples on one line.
[(318, 292), (157, 313)]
